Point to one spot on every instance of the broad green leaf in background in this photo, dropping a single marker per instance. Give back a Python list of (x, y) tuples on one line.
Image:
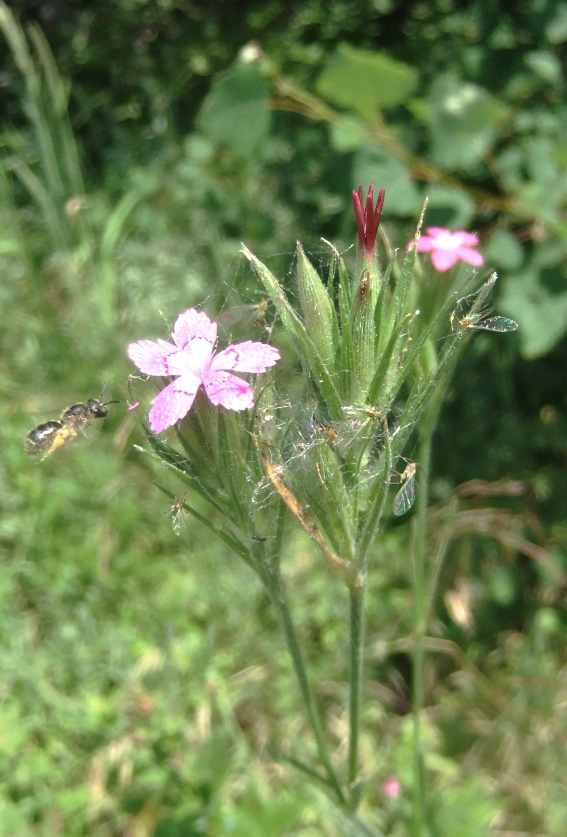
[(544, 64), (542, 316), (448, 207), (544, 186), (556, 28), (373, 164), (365, 82), (349, 134), (503, 250), (464, 120), (236, 112)]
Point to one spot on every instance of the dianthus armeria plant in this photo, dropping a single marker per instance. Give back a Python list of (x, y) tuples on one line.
[(373, 373)]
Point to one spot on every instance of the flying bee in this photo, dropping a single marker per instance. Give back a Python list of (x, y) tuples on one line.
[(403, 501), (46, 438)]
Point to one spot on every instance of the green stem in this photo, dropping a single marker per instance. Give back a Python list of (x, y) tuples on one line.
[(278, 597), (356, 663), (421, 602), (420, 589), (420, 605)]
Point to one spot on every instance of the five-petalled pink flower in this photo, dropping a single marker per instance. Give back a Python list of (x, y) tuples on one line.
[(192, 359), (447, 247)]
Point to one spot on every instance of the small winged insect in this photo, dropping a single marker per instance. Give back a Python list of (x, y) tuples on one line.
[(403, 501), (324, 427), (245, 315), (360, 412), (46, 438), (176, 512), (482, 322), (478, 317)]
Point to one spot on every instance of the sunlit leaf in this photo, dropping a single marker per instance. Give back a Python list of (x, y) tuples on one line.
[(236, 112), (373, 164), (542, 316), (464, 122), (366, 81)]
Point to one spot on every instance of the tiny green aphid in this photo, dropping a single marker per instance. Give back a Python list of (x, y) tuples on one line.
[(404, 499)]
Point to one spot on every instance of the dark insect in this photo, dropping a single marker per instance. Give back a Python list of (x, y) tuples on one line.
[(46, 438)]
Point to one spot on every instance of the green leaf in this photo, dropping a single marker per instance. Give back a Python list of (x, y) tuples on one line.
[(545, 65), (449, 207), (545, 190), (503, 250), (373, 164), (366, 82), (542, 316), (348, 135), (502, 585), (463, 120), (236, 112)]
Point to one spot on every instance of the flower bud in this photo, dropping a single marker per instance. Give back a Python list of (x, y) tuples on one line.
[(317, 307)]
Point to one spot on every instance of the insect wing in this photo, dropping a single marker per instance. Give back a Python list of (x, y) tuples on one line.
[(501, 324), (244, 315), (176, 521), (404, 499), (41, 438), (176, 512)]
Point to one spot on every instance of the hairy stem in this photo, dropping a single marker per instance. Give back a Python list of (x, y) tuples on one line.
[(280, 602), (355, 676), (421, 602)]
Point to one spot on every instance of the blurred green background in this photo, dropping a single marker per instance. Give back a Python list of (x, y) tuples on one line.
[(145, 688)]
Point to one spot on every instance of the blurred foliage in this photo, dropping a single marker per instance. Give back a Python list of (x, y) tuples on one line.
[(139, 693)]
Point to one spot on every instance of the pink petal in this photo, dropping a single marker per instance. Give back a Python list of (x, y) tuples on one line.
[(466, 238), (424, 244), (230, 391), (470, 256), (245, 357), (173, 403), (193, 323), (443, 259), (152, 358), (194, 359), (435, 232)]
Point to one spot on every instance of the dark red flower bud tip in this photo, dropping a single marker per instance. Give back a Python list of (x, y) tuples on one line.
[(367, 218)]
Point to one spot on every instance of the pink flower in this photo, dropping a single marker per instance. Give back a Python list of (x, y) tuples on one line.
[(367, 218), (446, 247), (193, 359), (391, 787)]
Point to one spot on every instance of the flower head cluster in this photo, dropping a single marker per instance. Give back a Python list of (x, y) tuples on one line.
[(447, 247), (191, 357)]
